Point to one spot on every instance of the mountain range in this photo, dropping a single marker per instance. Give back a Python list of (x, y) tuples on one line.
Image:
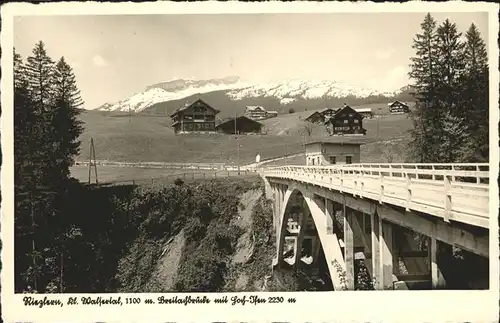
[(230, 95)]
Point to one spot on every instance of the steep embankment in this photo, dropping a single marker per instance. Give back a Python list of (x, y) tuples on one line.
[(205, 237)]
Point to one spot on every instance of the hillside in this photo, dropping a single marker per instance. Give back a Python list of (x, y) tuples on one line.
[(144, 137)]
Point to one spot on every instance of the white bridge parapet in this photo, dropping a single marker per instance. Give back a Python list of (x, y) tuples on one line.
[(457, 192)]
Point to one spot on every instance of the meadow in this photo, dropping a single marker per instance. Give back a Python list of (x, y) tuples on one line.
[(149, 138)]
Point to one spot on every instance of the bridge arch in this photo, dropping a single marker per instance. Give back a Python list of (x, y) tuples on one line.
[(439, 208), (328, 240)]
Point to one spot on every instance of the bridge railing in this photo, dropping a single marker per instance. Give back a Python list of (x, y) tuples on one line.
[(457, 192)]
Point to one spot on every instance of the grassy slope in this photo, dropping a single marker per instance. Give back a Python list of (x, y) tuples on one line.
[(150, 138)]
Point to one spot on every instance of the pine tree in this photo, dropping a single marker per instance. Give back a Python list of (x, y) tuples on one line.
[(40, 73), (46, 101), (65, 124), (24, 170), (450, 66), (24, 124), (40, 76), (454, 134), (475, 96), (426, 112)]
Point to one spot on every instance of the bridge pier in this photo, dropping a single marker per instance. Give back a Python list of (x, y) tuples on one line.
[(385, 239), (304, 216), (375, 240), (349, 246), (280, 216), (374, 220), (268, 189), (437, 278), (315, 249), (329, 213)]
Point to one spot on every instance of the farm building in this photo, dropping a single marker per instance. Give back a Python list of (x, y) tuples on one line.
[(346, 121), (365, 112), (321, 116), (255, 112), (398, 107), (332, 152), (271, 114), (242, 125), (195, 117), (316, 117)]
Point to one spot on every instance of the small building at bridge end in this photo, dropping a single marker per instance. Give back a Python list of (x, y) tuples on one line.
[(333, 152)]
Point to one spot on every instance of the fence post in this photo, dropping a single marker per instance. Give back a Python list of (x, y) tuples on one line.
[(408, 191), (341, 180), (381, 186), (447, 197)]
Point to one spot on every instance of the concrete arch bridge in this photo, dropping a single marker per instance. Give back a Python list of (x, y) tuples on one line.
[(344, 213)]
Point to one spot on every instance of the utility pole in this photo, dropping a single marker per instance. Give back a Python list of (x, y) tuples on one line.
[(378, 128), (92, 160), (129, 115), (237, 142)]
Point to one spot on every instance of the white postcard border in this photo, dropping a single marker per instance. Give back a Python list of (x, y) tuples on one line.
[(417, 306)]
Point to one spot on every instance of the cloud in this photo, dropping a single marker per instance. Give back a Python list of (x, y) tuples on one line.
[(393, 80), (384, 54), (98, 60)]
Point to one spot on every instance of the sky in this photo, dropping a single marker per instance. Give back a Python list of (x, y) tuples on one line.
[(116, 56)]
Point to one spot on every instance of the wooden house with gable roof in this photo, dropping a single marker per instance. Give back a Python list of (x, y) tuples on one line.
[(195, 117), (346, 121), (398, 107)]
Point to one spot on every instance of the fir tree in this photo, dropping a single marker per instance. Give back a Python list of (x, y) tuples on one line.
[(475, 97), (423, 72), (65, 124), (40, 73), (24, 171), (46, 101), (40, 77), (454, 134), (24, 124), (450, 66)]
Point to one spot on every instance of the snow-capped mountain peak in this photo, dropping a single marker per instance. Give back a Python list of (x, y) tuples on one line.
[(172, 90), (290, 90), (286, 91)]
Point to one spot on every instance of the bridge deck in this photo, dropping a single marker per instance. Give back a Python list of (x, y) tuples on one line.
[(457, 192)]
